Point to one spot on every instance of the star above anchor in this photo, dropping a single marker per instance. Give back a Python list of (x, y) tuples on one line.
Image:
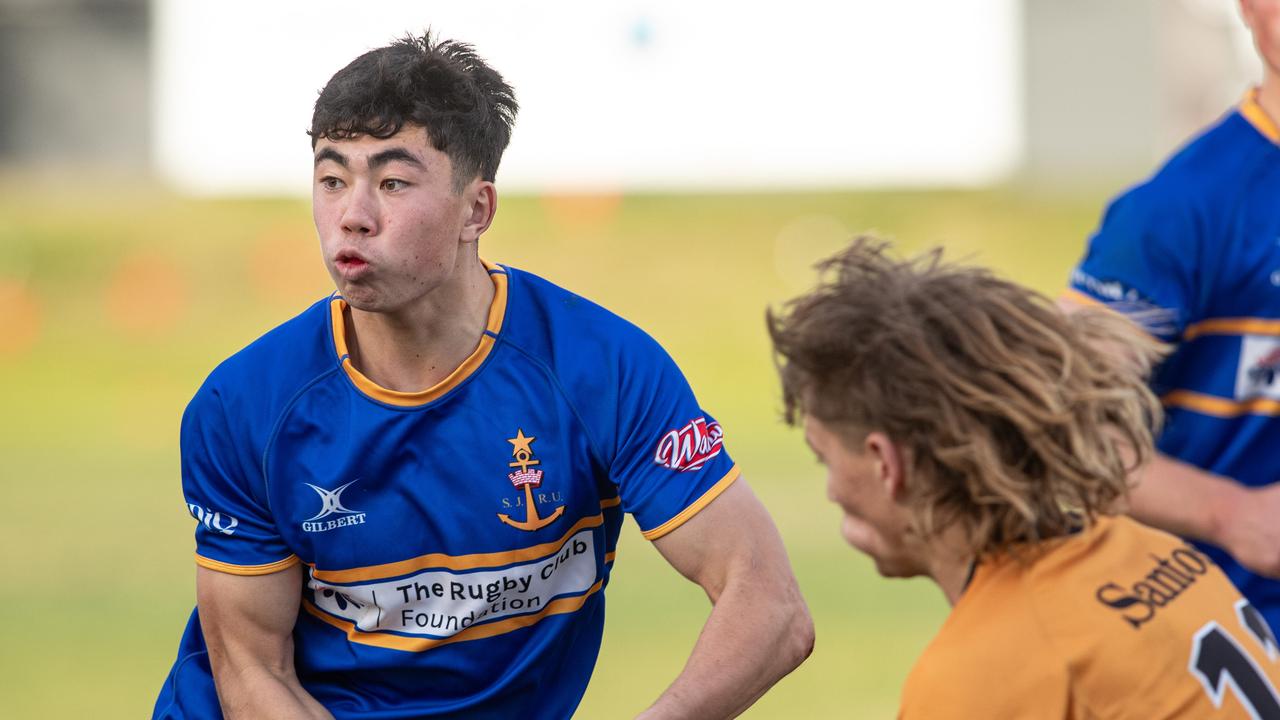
[(520, 442)]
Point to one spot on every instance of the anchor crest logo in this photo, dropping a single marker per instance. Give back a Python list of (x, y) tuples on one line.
[(524, 477)]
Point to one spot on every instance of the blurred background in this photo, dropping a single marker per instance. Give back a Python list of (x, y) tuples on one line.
[(683, 163)]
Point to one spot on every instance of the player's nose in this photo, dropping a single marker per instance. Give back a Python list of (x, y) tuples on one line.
[(358, 217)]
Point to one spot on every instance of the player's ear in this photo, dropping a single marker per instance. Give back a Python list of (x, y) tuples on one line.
[(888, 463), (1246, 13), (480, 204)]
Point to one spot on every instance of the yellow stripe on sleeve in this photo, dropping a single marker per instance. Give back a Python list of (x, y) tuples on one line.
[(1076, 297), (711, 494), (1220, 407), (1232, 326), (230, 569)]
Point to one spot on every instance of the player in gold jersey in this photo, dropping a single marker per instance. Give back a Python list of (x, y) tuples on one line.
[(970, 436)]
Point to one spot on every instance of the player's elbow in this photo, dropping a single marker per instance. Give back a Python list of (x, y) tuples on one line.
[(801, 637), (794, 644), (794, 636)]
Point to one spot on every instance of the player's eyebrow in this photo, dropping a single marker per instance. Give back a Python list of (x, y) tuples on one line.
[(391, 155), (331, 154)]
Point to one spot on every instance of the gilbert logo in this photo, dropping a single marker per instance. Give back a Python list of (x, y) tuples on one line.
[(331, 504), (522, 451), (690, 447)]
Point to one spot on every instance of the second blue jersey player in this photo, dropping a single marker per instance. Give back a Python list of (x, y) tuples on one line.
[(408, 498), (1196, 250)]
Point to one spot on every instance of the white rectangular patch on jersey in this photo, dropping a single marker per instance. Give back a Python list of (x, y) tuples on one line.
[(441, 603), (1258, 374)]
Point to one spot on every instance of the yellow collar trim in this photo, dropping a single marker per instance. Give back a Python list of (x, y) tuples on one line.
[(497, 311), (1258, 117)]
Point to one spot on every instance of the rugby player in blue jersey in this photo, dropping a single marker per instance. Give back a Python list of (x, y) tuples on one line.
[(1199, 243), (408, 497)]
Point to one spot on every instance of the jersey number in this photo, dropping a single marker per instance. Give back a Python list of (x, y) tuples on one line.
[(1218, 660)]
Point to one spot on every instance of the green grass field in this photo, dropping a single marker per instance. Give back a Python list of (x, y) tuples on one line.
[(120, 305)]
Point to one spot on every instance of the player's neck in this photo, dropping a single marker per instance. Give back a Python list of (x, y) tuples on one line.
[(1269, 95), (948, 565), (417, 347)]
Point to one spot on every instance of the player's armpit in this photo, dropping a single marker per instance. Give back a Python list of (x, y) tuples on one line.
[(248, 628), (759, 629)]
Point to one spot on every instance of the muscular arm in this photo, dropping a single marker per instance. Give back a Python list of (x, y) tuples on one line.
[(1193, 502), (759, 628), (248, 628)]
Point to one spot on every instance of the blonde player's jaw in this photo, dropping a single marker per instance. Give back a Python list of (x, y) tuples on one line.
[(872, 521)]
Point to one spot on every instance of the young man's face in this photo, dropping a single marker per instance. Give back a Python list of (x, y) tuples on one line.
[(1263, 19), (388, 218), (874, 522)]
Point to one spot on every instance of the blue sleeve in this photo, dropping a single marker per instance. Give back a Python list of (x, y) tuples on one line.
[(669, 460), (235, 532), (1142, 261)]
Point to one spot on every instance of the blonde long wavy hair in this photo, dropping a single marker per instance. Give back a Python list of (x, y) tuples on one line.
[(1019, 422)]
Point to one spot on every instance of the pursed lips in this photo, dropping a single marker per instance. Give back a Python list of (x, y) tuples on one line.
[(350, 263)]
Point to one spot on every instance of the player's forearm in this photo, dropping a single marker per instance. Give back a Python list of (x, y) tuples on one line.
[(254, 692), (750, 641), (1184, 499)]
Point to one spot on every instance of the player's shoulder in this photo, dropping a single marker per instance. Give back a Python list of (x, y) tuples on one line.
[(1110, 544), (990, 659), (1210, 168), (277, 364), (1005, 649), (1122, 574), (558, 325), (992, 619), (1229, 148)]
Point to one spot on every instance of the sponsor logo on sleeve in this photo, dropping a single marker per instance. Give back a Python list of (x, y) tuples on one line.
[(213, 519), (689, 448), (1154, 318), (1112, 291)]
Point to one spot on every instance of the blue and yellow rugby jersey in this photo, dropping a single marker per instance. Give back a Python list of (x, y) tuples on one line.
[(1201, 241), (457, 541)]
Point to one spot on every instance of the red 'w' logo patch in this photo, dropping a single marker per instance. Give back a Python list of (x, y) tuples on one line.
[(690, 447)]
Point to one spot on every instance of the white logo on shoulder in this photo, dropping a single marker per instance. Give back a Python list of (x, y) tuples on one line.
[(1258, 374), (331, 504), (1111, 290), (213, 519)]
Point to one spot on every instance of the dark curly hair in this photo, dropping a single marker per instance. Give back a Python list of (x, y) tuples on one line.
[(1020, 422), (466, 107)]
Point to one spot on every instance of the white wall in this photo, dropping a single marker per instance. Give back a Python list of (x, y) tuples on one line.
[(656, 94)]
